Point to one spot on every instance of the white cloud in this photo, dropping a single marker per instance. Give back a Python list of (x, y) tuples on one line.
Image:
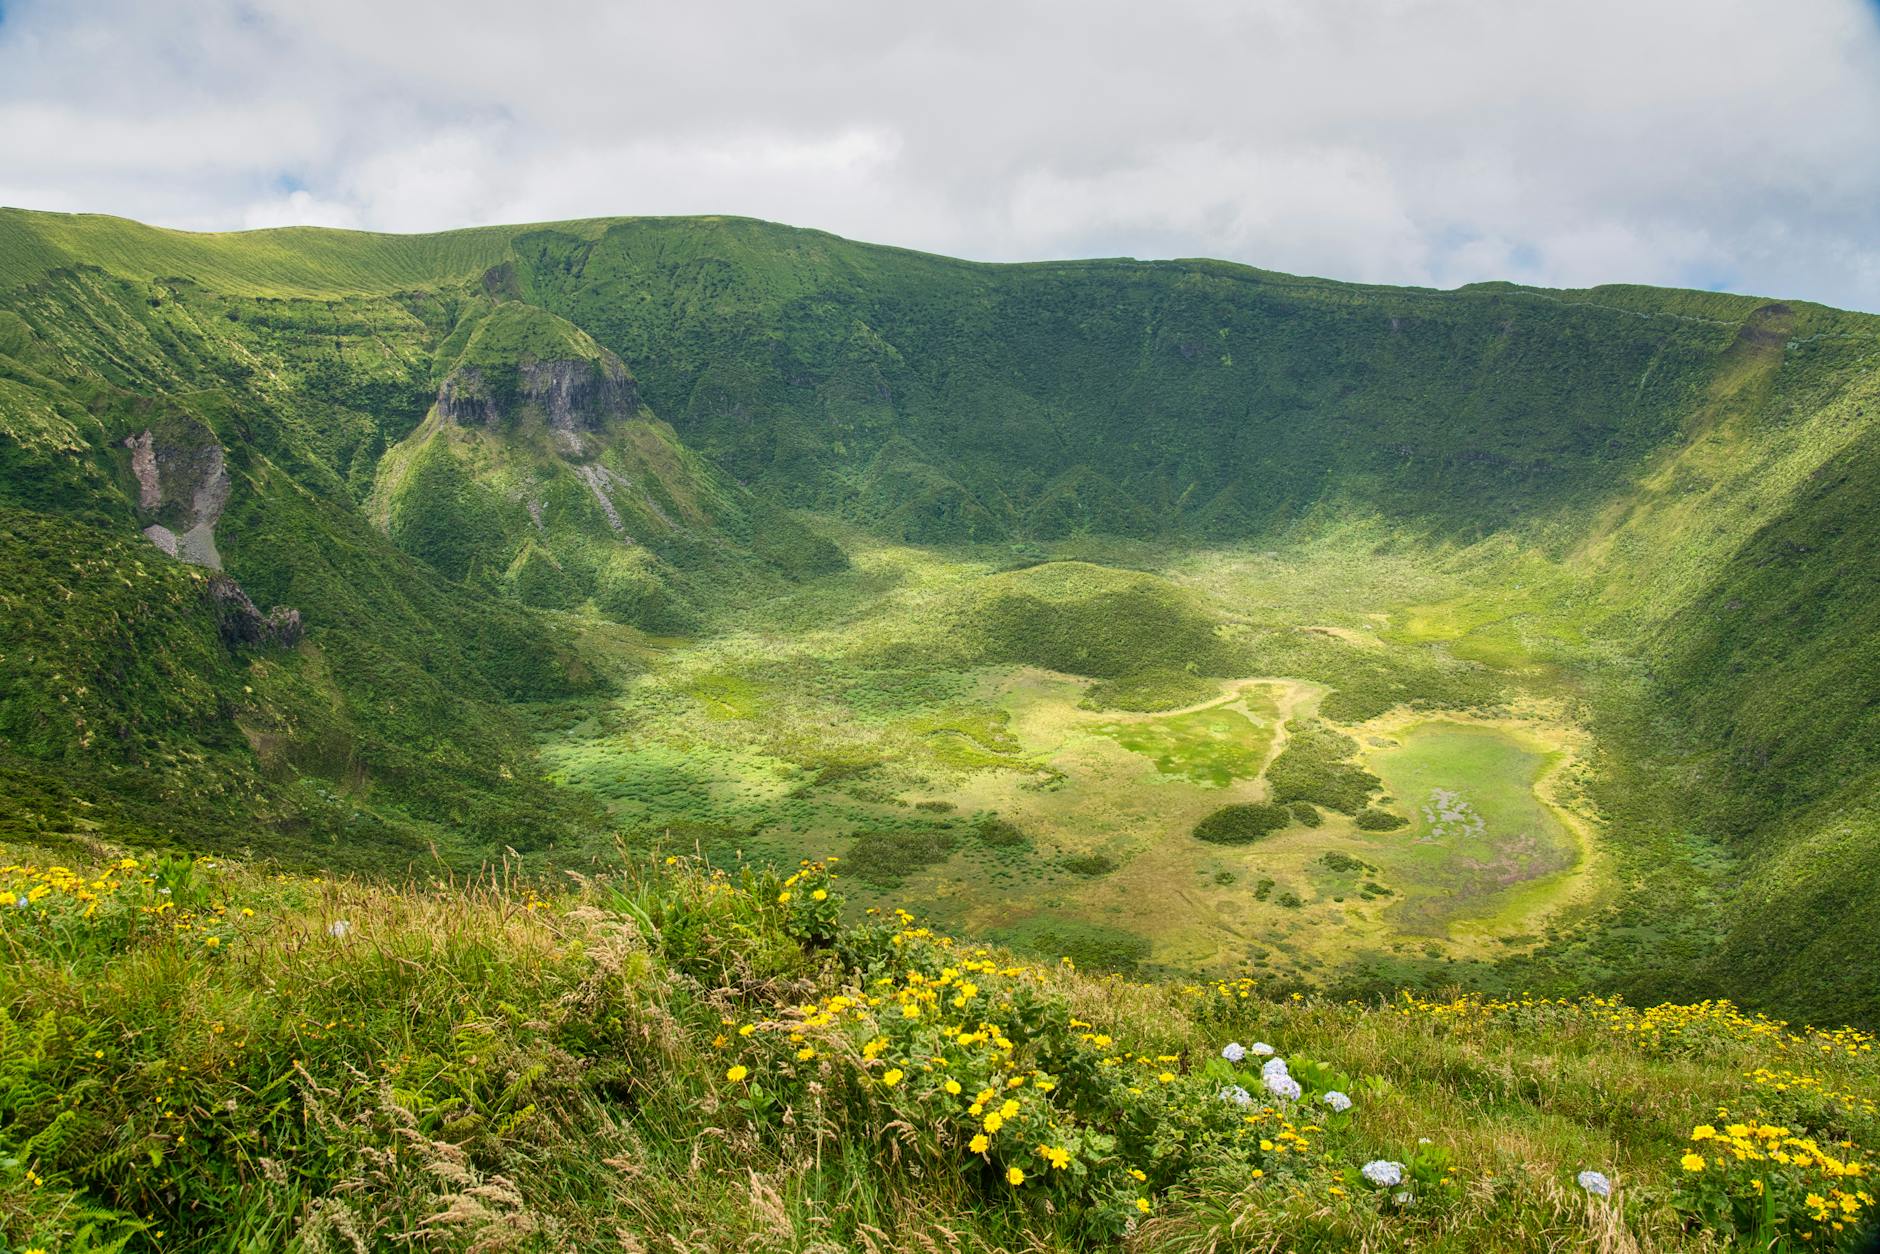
[(1420, 141)]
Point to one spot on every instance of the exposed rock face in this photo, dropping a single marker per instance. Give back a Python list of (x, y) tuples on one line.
[(189, 484), (574, 396), (241, 623), (599, 479), (465, 399), (162, 537)]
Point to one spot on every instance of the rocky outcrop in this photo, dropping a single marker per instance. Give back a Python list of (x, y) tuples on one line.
[(187, 485), (241, 623), (573, 396)]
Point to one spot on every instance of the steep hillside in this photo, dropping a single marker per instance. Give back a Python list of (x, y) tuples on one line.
[(1010, 575)]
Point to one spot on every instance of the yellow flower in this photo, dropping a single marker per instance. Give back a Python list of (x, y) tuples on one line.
[(1167, 1077), (994, 1122), (1137, 1172), (1703, 1132), (737, 1073), (979, 1143), (806, 1053), (1693, 1162), (784, 895), (821, 894), (953, 1087), (747, 1029), (1014, 1176), (211, 941), (1058, 1158), (1142, 1204), (892, 1076), (1009, 1109)]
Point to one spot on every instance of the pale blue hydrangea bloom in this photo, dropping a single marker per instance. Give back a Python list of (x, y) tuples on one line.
[(1273, 1067), (1336, 1100), (1595, 1182), (1263, 1049), (1234, 1052), (1237, 1095), (1283, 1087), (1383, 1172)]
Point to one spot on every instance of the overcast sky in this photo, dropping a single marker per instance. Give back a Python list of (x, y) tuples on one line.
[(1706, 143)]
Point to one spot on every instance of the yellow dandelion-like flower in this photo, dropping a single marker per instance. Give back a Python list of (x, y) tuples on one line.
[(737, 1073), (1692, 1162), (979, 1143), (953, 1087), (1167, 1077), (1014, 1176), (994, 1121), (821, 894), (892, 1076), (1142, 1204), (806, 1053)]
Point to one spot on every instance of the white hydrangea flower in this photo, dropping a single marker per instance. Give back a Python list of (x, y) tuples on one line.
[(1595, 1182), (1404, 1198), (1383, 1172), (1234, 1051), (1273, 1067), (1283, 1087), (1263, 1049), (1336, 1100), (1237, 1095)]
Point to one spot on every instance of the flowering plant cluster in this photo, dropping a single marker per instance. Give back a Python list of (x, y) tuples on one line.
[(1697, 1028), (988, 1070), (119, 903), (1774, 1185)]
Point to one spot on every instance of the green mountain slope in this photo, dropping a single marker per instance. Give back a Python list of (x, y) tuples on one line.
[(497, 471)]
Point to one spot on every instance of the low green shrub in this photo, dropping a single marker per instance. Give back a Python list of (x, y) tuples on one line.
[(1243, 823), (1315, 767)]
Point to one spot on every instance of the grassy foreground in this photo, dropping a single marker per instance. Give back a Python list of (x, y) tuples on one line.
[(197, 1055)]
